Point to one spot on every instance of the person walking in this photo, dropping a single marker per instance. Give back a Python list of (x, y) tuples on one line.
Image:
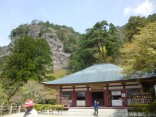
[(96, 107), (30, 110)]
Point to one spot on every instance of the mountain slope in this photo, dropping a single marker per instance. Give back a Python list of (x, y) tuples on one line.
[(61, 39)]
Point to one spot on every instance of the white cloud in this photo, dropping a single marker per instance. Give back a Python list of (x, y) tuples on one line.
[(144, 9), (127, 10)]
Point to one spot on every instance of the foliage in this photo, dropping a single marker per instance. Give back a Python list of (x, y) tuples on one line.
[(30, 59), (3, 62), (114, 42), (43, 107), (140, 54), (135, 23), (142, 107), (21, 31), (35, 91), (96, 38), (67, 35), (151, 18), (97, 45), (138, 107), (3, 95), (69, 39), (29, 91), (57, 74)]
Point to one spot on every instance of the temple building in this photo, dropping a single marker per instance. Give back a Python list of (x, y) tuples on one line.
[(106, 84)]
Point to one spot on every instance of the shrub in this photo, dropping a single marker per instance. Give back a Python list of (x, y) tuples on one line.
[(142, 107), (43, 107)]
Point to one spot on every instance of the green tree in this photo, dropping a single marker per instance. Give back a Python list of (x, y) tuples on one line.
[(97, 45), (135, 23), (151, 18), (140, 54), (35, 91), (3, 95), (29, 60), (114, 42), (96, 38), (22, 30)]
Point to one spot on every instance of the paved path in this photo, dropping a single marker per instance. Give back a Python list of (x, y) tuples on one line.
[(80, 113), (51, 115), (21, 115)]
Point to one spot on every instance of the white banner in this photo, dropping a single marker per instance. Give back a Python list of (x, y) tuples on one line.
[(116, 102), (80, 102), (116, 92)]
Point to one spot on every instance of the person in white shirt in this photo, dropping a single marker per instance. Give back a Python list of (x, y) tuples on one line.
[(30, 111)]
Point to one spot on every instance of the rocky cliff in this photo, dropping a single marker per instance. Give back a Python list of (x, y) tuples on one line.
[(59, 56)]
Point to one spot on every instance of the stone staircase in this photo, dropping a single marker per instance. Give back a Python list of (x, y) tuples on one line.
[(102, 113)]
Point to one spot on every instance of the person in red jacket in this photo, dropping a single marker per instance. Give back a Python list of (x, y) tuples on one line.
[(30, 111)]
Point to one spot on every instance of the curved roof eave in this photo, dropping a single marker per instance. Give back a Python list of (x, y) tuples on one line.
[(100, 73)]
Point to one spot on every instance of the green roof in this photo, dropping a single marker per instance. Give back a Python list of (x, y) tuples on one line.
[(100, 73), (94, 74)]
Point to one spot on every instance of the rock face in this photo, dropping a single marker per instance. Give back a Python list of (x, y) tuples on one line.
[(5, 51), (59, 57)]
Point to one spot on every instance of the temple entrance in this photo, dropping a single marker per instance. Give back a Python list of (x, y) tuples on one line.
[(98, 96)]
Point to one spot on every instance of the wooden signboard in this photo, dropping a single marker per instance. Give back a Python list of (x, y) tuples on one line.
[(97, 87)]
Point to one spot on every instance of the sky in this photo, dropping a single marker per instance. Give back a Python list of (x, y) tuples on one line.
[(78, 14)]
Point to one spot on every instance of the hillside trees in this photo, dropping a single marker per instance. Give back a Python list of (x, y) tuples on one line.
[(140, 54), (3, 95), (35, 91), (67, 35), (22, 30), (98, 45), (30, 59), (69, 38), (134, 25), (37, 28)]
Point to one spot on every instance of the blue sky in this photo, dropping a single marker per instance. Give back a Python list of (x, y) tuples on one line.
[(79, 14)]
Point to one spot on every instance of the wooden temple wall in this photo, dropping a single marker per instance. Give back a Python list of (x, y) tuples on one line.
[(117, 94)]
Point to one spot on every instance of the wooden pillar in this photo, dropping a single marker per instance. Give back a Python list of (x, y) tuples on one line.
[(19, 108), (142, 88), (60, 95), (74, 97), (10, 109), (125, 103), (106, 96), (88, 98)]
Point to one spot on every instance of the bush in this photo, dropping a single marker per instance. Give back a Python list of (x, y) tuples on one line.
[(43, 107), (142, 107), (152, 107)]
